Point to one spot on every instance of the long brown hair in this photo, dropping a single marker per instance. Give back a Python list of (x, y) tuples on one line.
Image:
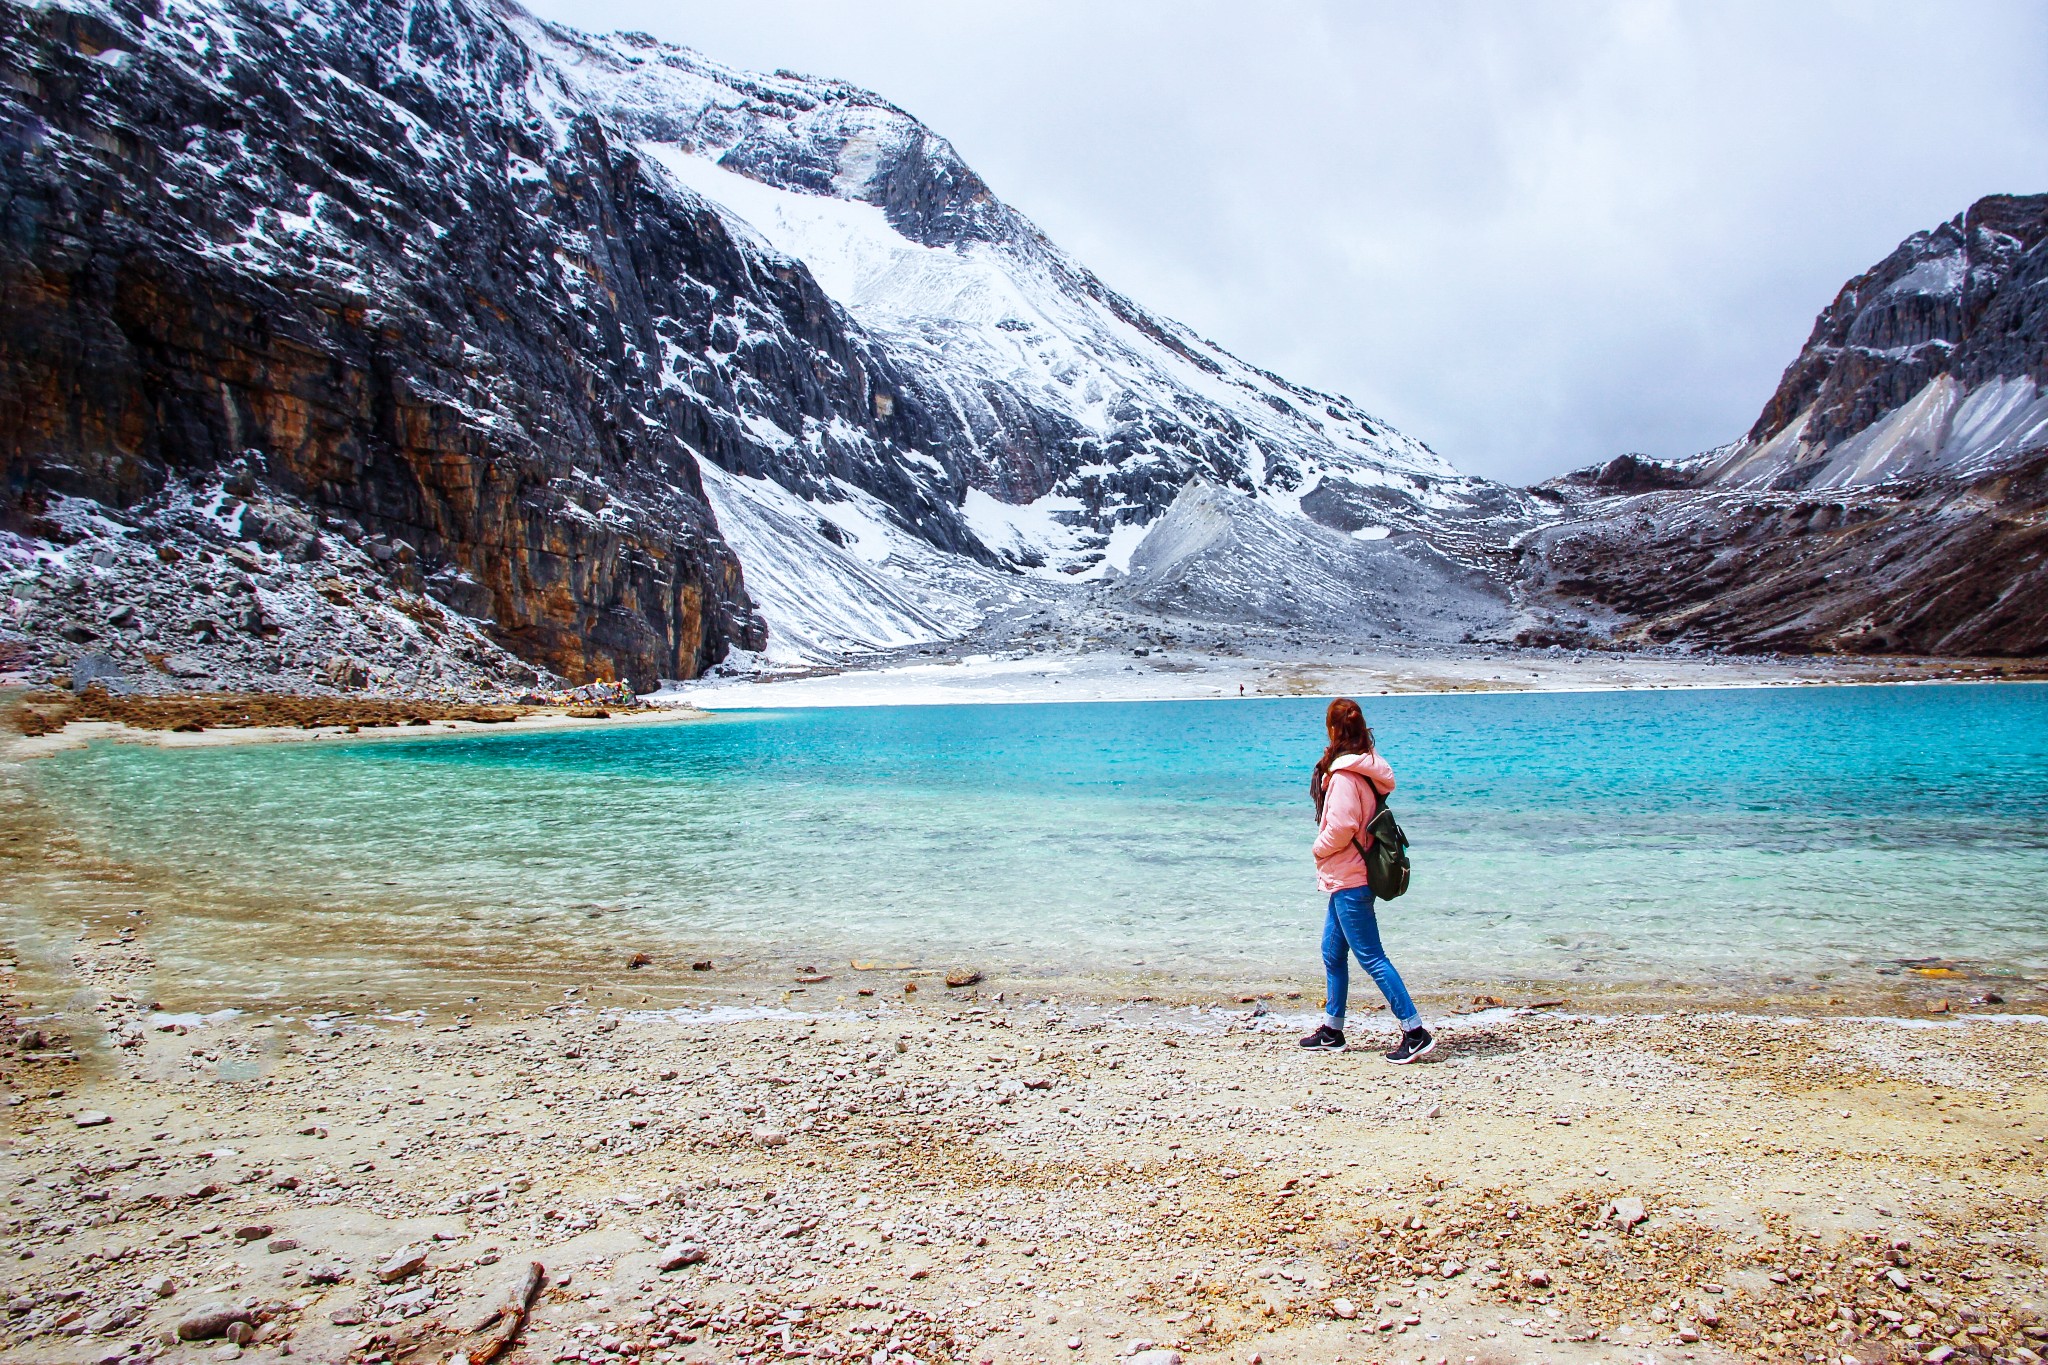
[(1349, 734)]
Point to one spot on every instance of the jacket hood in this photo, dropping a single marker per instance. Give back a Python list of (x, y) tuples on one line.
[(1371, 767)]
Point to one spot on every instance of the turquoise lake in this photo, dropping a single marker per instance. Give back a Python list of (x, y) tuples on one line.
[(1627, 839)]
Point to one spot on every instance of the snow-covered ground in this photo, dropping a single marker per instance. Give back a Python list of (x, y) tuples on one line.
[(983, 679), (867, 587)]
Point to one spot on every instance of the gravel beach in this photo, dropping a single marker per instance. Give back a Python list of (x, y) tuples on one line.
[(977, 1174)]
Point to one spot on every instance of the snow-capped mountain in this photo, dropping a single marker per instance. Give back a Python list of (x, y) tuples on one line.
[(1081, 416), (639, 358), (1889, 498), (1073, 417)]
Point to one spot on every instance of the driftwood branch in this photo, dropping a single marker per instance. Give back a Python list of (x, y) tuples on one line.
[(511, 1316)]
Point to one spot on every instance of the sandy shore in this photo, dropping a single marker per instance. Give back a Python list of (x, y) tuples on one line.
[(78, 733), (981, 1174)]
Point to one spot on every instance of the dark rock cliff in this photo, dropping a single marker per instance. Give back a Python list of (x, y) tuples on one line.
[(1968, 298), (365, 253), (1942, 566)]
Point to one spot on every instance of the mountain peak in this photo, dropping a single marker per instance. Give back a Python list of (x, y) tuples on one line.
[(1934, 358)]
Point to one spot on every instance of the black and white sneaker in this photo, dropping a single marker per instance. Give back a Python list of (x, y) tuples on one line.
[(1416, 1042), (1325, 1039)]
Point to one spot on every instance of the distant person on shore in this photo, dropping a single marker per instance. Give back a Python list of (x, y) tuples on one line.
[(1348, 785)]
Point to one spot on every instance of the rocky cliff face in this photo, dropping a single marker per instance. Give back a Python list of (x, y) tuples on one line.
[(1889, 498), (1931, 362), (343, 251), (378, 255), (1934, 566)]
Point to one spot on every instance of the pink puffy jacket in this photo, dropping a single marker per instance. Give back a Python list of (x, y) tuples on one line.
[(1349, 803)]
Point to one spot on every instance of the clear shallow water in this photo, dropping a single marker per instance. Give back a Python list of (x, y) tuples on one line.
[(1626, 838)]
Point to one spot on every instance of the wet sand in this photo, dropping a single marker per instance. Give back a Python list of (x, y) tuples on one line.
[(74, 733)]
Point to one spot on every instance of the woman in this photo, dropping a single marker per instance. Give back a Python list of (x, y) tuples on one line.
[(1348, 785)]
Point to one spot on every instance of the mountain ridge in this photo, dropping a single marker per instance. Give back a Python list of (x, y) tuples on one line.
[(842, 142), (1888, 498), (399, 266)]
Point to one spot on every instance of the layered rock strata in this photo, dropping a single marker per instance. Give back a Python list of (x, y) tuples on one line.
[(1934, 566)]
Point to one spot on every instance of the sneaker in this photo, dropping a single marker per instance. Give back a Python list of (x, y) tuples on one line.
[(1325, 1039), (1416, 1042)]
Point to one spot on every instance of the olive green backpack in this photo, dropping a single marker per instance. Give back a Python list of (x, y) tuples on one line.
[(1386, 861)]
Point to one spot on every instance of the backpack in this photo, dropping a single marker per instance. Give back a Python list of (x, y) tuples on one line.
[(1386, 861)]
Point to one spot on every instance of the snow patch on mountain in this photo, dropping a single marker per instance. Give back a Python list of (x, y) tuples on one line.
[(836, 579), (1941, 430), (849, 248)]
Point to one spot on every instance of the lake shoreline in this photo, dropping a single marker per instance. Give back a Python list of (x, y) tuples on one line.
[(960, 678)]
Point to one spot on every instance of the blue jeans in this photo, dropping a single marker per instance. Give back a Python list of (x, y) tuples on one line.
[(1353, 928)]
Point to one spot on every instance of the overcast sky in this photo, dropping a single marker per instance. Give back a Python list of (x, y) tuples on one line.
[(1533, 235)]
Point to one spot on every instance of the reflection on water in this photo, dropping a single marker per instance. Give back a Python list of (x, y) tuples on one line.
[(1642, 838)]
